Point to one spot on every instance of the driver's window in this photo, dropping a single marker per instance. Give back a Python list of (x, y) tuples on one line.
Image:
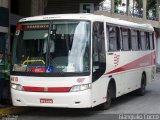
[(99, 56)]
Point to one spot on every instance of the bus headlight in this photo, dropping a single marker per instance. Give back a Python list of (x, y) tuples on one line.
[(17, 86), (77, 88)]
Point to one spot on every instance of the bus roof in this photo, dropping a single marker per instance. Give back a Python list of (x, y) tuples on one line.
[(90, 17)]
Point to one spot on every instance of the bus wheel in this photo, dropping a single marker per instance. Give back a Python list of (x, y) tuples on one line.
[(141, 91), (107, 104)]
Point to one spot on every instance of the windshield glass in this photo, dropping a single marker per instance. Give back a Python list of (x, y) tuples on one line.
[(51, 47)]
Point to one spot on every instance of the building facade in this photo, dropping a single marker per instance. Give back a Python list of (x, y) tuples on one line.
[(12, 10), (4, 24)]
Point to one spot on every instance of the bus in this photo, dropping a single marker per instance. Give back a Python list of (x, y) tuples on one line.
[(80, 60)]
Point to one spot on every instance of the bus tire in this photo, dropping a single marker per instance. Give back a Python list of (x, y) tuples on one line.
[(141, 91), (107, 104)]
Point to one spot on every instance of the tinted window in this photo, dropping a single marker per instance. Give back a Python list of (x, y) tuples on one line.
[(151, 38), (143, 40), (125, 39), (147, 41), (139, 40), (114, 41), (134, 40)]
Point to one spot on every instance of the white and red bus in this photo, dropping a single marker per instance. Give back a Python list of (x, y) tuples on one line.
[(79, 60)]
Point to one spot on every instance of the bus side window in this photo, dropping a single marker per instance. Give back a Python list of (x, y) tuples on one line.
[(125, 39), (153, 34), (151, 39), (147, 41), (99, 55), (134, 40), (144, 41), (114, 41), (139, 40)]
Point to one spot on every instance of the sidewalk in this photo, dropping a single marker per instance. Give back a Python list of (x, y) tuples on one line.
[(12, 110), (2, 106)]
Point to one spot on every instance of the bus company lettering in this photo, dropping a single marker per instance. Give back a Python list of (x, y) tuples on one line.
[(80, 80)]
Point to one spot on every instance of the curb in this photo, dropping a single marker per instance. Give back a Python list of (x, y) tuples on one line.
[(12, 110)]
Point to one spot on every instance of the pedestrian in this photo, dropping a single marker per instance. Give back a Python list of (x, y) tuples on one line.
[(6, 86), (7, 66)]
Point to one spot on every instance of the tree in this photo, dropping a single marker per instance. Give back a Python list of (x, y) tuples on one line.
[(151, 6), (116, 3), (138, 6)]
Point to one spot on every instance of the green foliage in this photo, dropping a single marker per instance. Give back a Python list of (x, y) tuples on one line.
[(116, 3), (151, 6)]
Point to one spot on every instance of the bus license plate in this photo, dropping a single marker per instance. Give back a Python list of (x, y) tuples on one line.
[(45, 100)]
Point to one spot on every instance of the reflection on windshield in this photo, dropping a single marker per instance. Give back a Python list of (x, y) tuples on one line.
[(62, 47)]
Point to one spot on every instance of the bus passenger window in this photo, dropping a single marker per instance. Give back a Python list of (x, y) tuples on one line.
[(147, 41), (114, 42), (125, 39), (151, 39), (139, 40), (134, 40), (143, 40)]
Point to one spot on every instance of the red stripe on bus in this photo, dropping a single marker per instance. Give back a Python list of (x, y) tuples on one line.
[(46, 89), (144, 61), (59, 89), (33, 89)]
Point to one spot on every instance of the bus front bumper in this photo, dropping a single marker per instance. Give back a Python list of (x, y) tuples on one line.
[(80, 99)]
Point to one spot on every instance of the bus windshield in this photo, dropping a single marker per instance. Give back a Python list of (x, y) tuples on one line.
[(51, 47)]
